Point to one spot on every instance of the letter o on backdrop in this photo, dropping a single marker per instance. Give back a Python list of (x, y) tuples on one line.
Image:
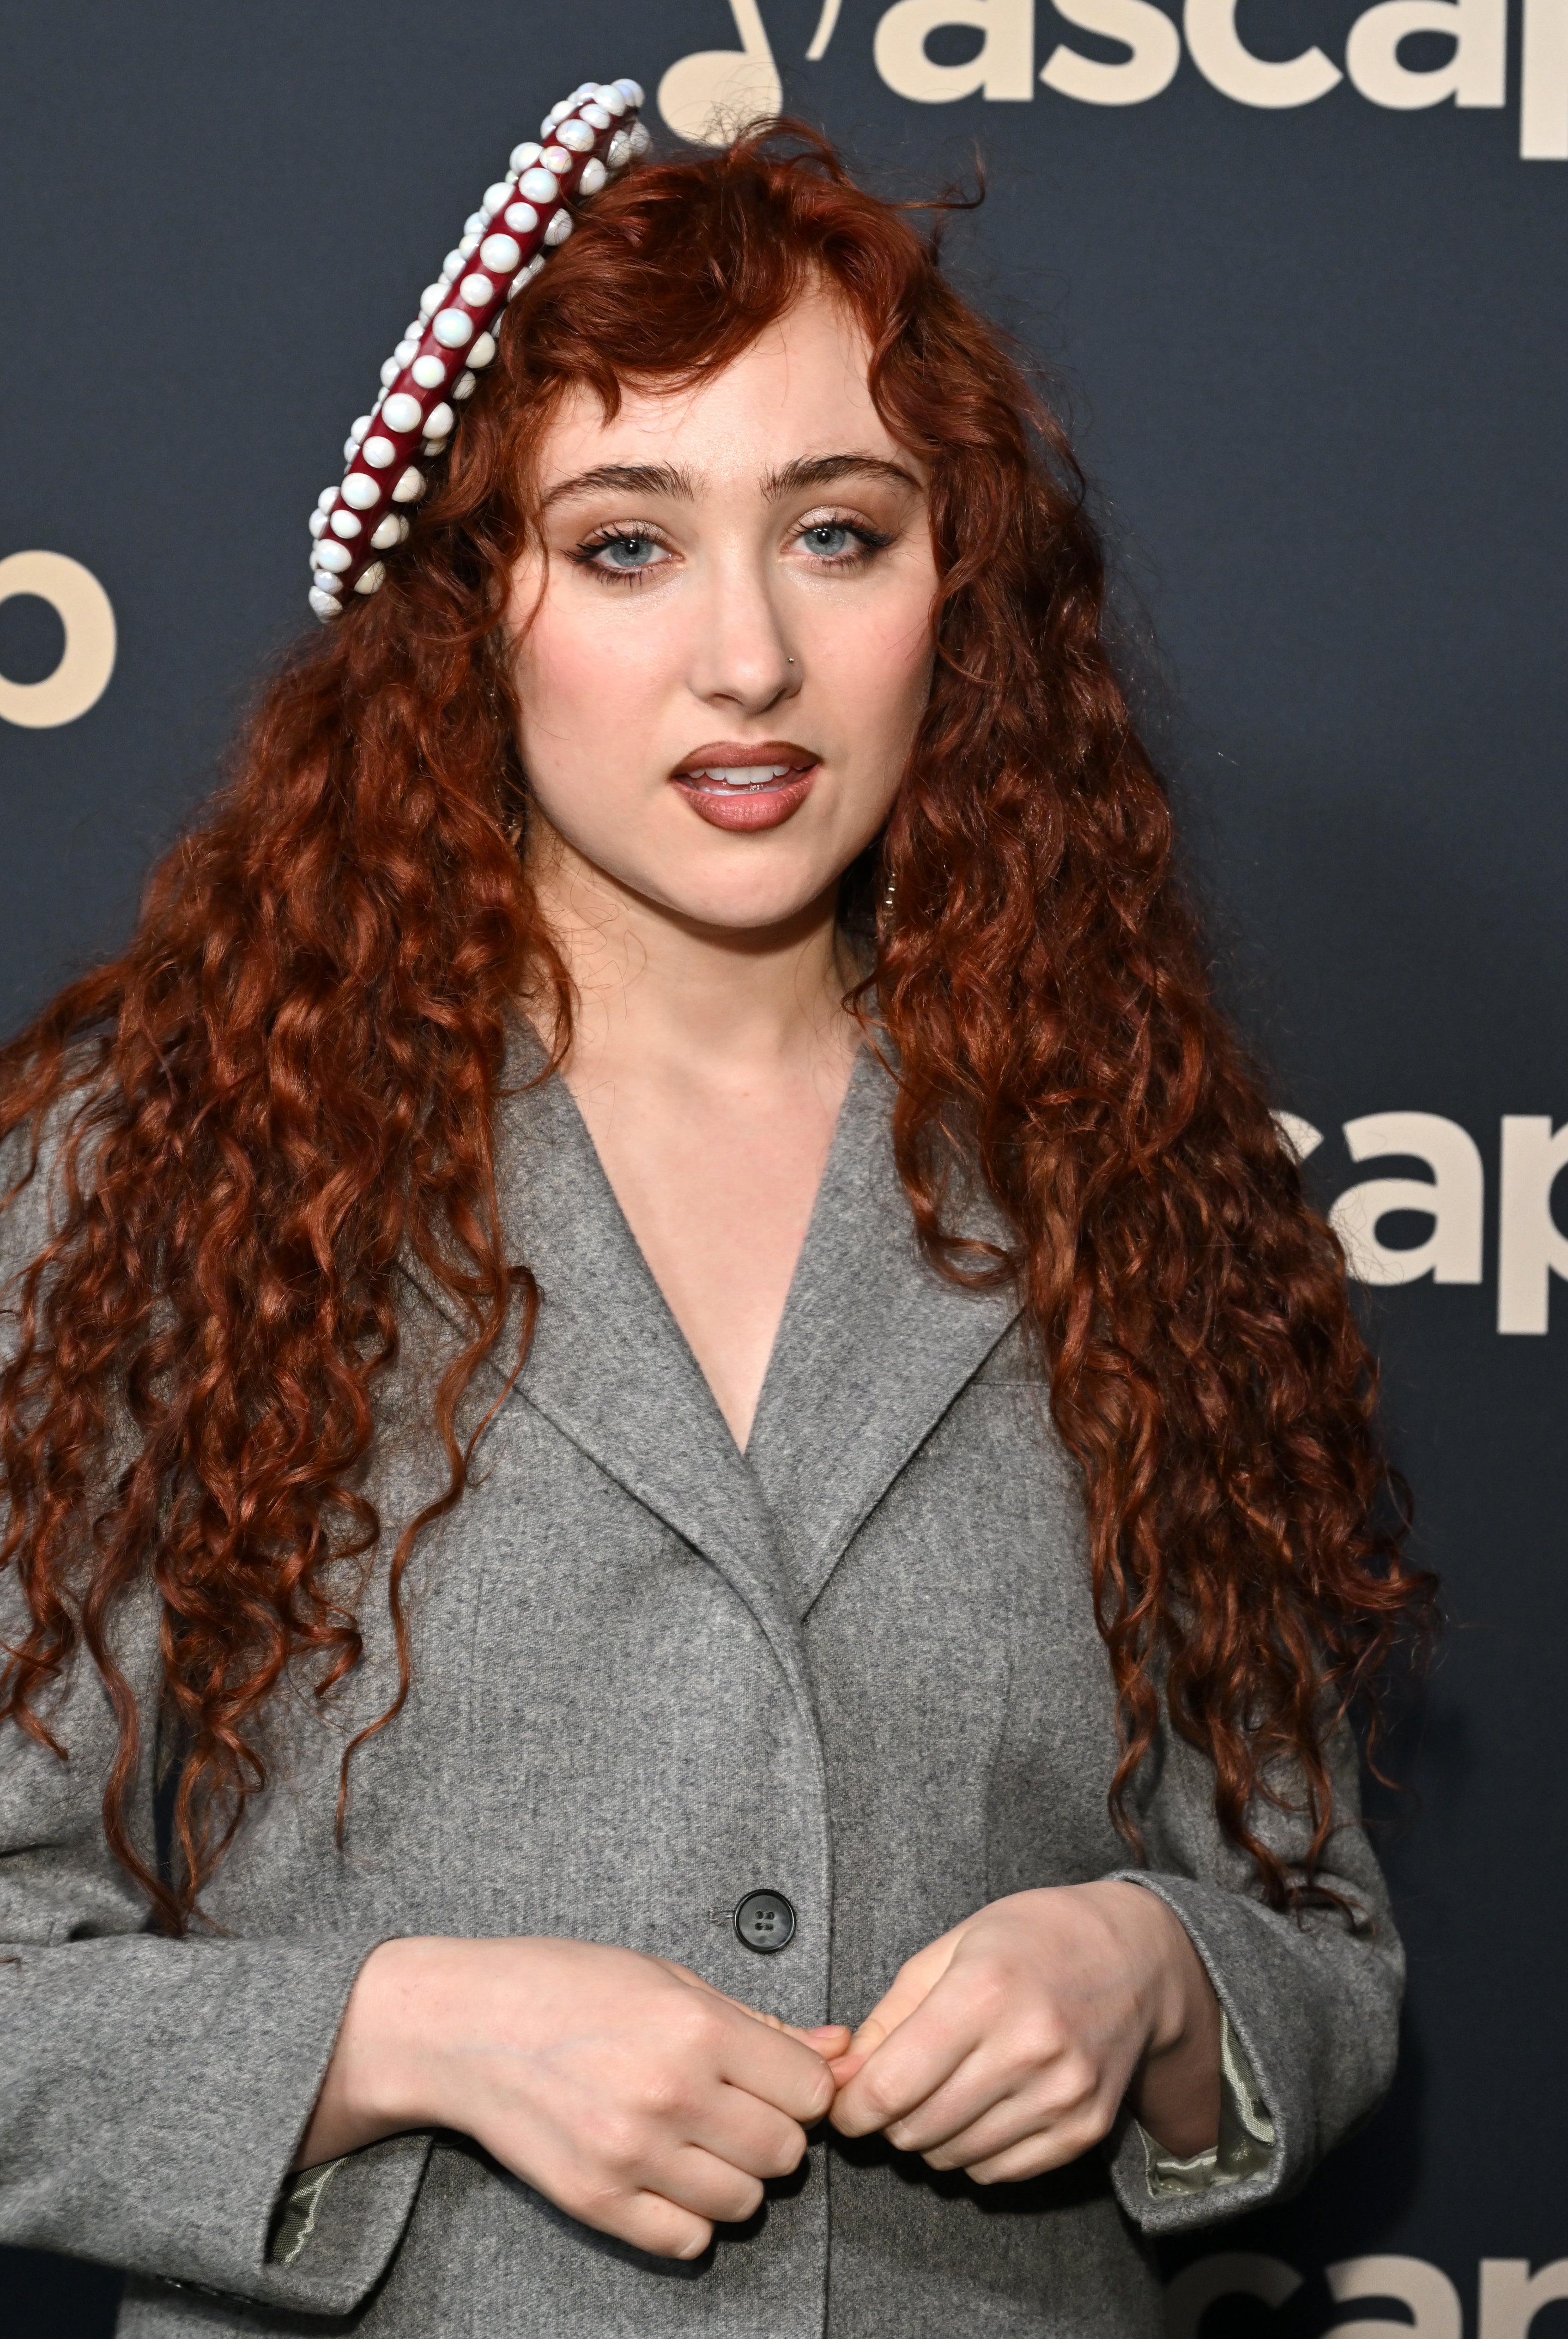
[(84, 609)]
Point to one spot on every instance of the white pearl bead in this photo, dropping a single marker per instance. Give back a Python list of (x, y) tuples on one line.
[(379, 451), (495, 198), (523, 217), (632, 90), (374, 577), (452, 266), (323, 604), (434, 447), (500, 254), (539, 185), (557, 159), (477, 290), (413, 334), (575, 137), (411, 485), (402, 412), (345, 524), (560, 228), (351, 448), (333, 555), (390, 372), (620, 151), (610, 98), (406, 348), (391, 531), (593, 178), (638, 139), (428, 372), (358, 427), (452, 328), (430, 299), (483, 351), (474, 224), (361, 491), (465, 385), (595, 116), (318, 522), (439, 420), (552, 118), (524, 156), (326, 500)]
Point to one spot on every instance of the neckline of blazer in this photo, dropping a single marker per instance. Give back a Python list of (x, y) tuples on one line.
[(872, 1349)]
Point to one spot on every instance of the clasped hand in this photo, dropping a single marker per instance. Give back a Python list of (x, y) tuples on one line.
[(650, 2106)]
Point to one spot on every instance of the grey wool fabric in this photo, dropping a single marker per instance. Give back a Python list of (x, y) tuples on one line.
[(857, 1665)]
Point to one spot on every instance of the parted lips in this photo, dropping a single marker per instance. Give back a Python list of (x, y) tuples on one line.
[(587, 137)]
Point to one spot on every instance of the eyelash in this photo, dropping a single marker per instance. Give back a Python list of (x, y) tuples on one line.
[(870, 541)]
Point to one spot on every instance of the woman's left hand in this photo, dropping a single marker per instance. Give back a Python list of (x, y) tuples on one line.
[(1008, 2045)]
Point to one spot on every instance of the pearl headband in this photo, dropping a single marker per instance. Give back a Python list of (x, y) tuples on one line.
[(590, 134)]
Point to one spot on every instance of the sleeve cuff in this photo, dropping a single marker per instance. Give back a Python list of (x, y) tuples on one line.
[(1245, 2144)]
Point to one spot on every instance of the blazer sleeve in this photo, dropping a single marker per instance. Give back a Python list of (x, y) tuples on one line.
[(1312, 2000), (153, 2092)]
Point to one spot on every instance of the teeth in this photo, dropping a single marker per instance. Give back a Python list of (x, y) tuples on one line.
[(744, 776)]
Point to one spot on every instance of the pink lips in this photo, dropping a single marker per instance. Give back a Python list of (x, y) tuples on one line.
[(709, 780)]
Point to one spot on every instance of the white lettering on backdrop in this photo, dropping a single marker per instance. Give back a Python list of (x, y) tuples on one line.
[(1530, 1247), (1511, 2297), (703, 96), (84, 609)]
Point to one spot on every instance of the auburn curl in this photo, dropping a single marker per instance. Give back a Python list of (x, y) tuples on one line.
[(285, 1083)]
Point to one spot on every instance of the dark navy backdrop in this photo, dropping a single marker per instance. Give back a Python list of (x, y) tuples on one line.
[(1317, 359)]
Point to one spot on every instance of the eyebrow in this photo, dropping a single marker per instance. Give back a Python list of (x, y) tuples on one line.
[(665, 479), (627, 478), (827, 470)]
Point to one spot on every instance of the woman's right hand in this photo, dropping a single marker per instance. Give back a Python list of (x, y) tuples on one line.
[(620, 2085)]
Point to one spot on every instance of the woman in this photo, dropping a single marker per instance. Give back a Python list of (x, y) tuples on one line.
[(665, 1371)]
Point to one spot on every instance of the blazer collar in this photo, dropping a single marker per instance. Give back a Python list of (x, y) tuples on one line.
[(872, 1349), (609, 1365), (873, 1345)]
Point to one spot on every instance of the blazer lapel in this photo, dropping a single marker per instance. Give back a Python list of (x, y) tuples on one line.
[(609, 1366), (874, 1347)]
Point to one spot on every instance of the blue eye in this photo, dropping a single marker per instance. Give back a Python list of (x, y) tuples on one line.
[(627, 553), (831, 539)]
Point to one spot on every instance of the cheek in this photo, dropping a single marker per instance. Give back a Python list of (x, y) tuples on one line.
[(878, 665), (589, 692)]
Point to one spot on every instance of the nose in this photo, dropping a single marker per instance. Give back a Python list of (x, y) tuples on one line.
[(740, 659)]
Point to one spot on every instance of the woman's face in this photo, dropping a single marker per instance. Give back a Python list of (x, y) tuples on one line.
[(723, 643)]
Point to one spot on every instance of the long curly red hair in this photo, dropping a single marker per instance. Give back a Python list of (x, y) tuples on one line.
[(286, 1080)]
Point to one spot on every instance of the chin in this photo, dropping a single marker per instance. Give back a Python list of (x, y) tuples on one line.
[(735, 898)]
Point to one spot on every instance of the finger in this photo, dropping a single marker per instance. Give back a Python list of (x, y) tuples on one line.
[(769, 2063), (980, 2086), (916, 2059), (648, 2222), (993, 2100), (748, 2133), (911, 1985), (708, 2186), (829, 2040), (1012, 2120), (1033, 2154), (826, 2039)]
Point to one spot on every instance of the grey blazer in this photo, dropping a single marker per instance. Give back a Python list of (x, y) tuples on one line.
[(857, 1666)]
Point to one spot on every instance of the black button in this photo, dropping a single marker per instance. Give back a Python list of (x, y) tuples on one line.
[(765, 1922)]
